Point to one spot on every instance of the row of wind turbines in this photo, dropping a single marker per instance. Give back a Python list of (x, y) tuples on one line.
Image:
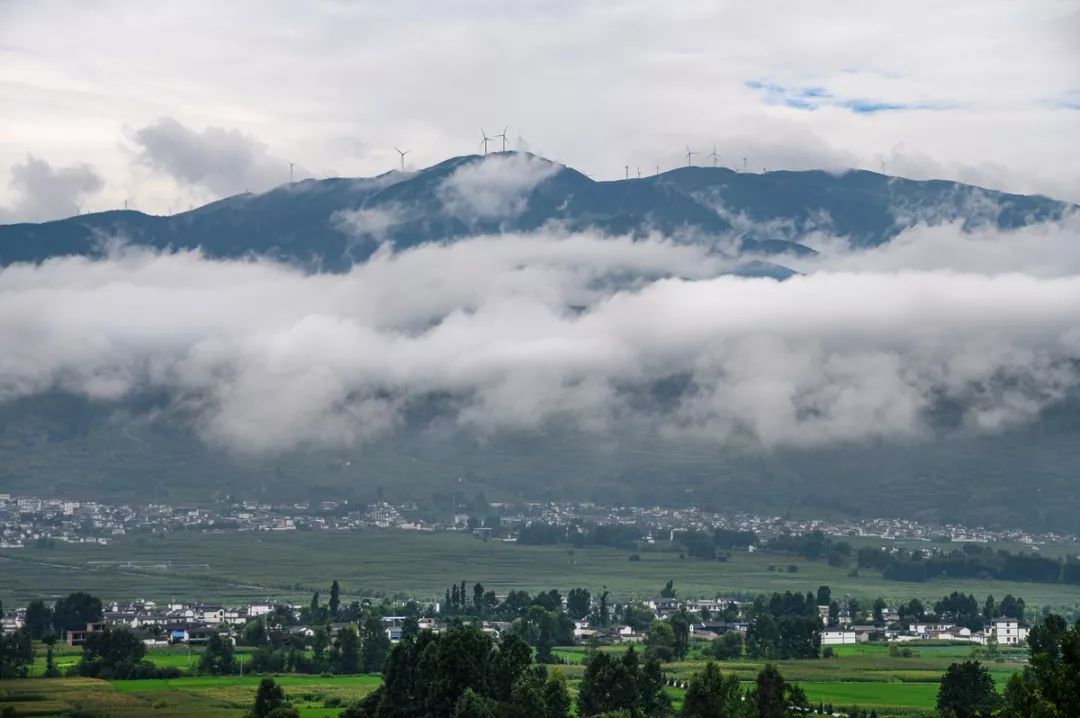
[(483, 143), (714, 155)]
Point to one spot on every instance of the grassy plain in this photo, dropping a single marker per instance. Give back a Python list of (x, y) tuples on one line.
[(866, 676), (232, 566)]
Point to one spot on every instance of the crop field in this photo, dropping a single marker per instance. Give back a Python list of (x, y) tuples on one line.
[(865, 676), (205, 697), (234, 566)]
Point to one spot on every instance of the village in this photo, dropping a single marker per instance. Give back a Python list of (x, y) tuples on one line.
[(26, 520)]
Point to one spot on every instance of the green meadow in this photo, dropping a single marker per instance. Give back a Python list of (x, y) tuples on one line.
[(234, 567)]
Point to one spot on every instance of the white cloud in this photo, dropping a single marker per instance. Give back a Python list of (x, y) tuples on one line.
[(220, 160), (496, 187), (45, 192), (525, 330), (666, 75)]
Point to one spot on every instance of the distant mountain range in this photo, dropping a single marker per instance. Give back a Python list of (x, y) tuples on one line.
[(330, 224), (62, 444)]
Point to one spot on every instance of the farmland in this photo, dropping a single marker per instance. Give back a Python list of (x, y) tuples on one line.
[(864, 675), (234, 567)]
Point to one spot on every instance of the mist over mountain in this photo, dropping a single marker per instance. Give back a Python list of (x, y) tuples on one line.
[(782, 341)]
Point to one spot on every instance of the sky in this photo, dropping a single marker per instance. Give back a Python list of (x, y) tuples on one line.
[(167, 105)]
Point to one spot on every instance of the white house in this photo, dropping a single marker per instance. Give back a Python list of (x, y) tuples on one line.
[(1007, 631), (838, 637)]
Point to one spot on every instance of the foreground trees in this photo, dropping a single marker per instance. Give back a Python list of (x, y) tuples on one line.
[(967, 691), (612, 683), (1050, 686), (462, 673)]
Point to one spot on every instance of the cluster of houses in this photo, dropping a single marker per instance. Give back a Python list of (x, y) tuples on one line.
[(195, 623), (28, 519)]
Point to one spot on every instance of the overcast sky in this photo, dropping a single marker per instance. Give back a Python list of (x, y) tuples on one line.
[(170, 104)]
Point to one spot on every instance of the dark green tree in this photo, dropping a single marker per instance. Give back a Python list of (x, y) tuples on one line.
[(39, 619), (712, 695), (660, 640), (680, 625), (335, 598), (726, 646), (218, 658), (270, 701), (255, 632), (578, 603), (770, 694), (374, 645), (74, 611), (16, 654), (345, 655), (668, 591), (967, 691), (473, 705), (113, 654), (51, 671)]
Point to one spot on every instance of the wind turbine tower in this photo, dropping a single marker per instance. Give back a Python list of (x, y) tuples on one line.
[(402, 153), (290, 173), (715, 157), (627, 171), (485, 140), (503, 136), (744, 165), (689, 155)]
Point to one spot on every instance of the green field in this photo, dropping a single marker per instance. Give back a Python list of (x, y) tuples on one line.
[(374, 563), (864, 675)]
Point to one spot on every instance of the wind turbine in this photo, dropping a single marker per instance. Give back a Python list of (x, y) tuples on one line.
[(290, 173), (639, 172), (503, 136), (744, 165), (485, 140), (402, 153), (882, 166), (689, 155), (713, 155), (627, 171)]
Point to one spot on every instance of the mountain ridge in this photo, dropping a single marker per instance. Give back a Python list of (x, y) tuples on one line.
[(760, 215)]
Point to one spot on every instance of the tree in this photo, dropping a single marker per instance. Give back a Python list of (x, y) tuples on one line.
[(660, 640), (74, 611), (879, 611), (472, 705), (255, 632), (680, 624), (218, 658), (769, 693), (374, 645), (712, 695), (335, 598), (39, 619), (668, 591), (270, 701), (16, 654), (967, 690), (726, 646), (51, 671), (346, 654), (824, 596), (113, 654), (1050, 685), (578, 603), (604, 607), (556, 696)]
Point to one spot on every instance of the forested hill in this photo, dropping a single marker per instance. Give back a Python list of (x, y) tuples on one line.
[(331, 223)]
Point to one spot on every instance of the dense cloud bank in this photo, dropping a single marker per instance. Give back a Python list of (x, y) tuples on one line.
[(514, 331)]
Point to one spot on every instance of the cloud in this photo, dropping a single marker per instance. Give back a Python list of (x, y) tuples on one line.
[(495, 187), (46, 192), (220, 160), (514, 332)]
